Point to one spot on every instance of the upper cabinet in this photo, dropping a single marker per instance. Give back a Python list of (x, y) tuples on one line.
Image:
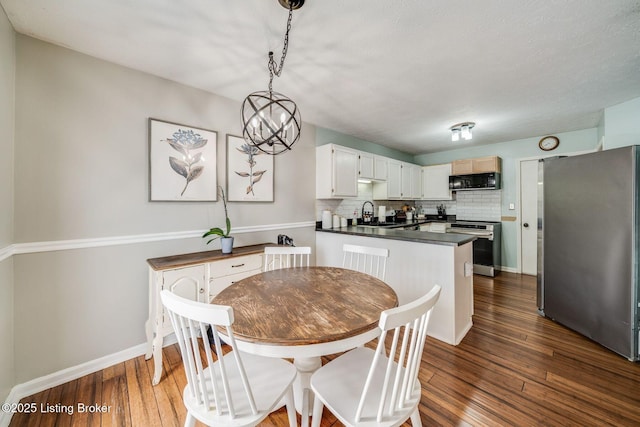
[(478, 165), (435, 182), (392, 188), (336, 172), (403, 182), (366, 162), (380, 168), (372, 166), (415, 176), (338, 169)]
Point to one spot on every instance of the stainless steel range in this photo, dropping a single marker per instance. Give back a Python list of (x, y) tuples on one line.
[(487, 247)]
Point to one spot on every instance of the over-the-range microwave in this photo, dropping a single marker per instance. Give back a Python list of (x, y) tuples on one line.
[(476, 181)]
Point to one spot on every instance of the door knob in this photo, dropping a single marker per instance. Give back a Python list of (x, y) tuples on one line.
[(525, 225)]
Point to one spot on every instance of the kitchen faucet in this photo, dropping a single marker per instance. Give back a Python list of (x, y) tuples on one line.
[(369, 215)]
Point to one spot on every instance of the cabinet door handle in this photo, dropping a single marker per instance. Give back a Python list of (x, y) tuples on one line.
[(237, 265), (202, 290)]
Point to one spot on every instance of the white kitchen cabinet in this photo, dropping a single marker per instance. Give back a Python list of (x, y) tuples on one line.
[(336, 172), (403, 182), (416, 182), (392, 188), (435, 182), (366, 165), (394, 179), (199, 277), (371, 166), (380, 168)]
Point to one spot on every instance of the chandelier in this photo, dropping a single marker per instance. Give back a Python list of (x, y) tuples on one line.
[(462, 130), (270, 120)]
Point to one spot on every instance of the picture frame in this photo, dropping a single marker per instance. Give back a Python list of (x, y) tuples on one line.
[(250, 172), (182, 162)]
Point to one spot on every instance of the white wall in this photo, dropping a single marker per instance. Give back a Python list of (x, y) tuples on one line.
[(81, 172), (7, 83), (622, 124)]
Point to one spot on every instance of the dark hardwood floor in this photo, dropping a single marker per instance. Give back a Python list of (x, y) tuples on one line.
[(513, 368)]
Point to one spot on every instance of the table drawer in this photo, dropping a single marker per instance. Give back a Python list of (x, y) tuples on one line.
[(218, 284), (235, 265)]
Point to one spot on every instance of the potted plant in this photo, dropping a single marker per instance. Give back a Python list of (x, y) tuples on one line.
[(226, 240)]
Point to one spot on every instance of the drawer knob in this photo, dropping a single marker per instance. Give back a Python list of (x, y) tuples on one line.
[(202, 290)]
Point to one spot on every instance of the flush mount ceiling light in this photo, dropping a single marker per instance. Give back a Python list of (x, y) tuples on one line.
[(270, 120), (462, 130)]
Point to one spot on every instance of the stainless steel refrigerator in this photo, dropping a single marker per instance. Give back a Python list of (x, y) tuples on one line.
[(588, 246)]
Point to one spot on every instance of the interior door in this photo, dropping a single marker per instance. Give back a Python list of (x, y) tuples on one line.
[(529, 216)]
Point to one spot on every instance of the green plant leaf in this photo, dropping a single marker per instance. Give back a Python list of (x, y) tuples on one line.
[(228, 227), (214, 231)]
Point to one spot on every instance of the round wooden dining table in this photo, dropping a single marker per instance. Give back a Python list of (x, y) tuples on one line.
[(305, 313)]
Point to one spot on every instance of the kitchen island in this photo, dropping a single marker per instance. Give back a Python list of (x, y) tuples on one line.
[(418, 260)]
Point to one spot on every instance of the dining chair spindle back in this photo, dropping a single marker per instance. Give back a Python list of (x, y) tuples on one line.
[(236, 389), (387, 383), (276, 257), (365, 259)]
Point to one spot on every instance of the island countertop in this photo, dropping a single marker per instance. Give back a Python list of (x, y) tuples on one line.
[(448, 239)]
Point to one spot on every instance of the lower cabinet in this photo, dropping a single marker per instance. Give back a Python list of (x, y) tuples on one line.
[(198, 277)]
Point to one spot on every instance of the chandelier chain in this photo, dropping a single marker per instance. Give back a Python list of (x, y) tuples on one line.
[(273, 68)]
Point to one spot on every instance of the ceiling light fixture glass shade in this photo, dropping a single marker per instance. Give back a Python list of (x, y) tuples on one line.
[(270, 120), (462, 130)]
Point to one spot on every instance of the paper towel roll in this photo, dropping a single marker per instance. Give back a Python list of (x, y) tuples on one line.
[(326, 219), (382, 213)]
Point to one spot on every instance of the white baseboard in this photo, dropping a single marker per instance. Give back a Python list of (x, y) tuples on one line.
[(54, 379), (508, 269)]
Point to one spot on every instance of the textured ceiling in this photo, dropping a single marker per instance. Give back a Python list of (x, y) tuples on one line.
[(395, 72)]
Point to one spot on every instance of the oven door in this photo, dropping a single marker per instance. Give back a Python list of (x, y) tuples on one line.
[(483, 254)]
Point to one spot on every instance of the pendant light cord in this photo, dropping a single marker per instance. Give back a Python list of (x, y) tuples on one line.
[(273, 68)]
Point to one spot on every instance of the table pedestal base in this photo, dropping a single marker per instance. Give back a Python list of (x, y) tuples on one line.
[(302, 394)]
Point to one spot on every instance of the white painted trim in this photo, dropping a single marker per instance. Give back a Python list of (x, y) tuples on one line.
[(6, 252), (54, 379), (507, 269), (61, 245), (519, 198)]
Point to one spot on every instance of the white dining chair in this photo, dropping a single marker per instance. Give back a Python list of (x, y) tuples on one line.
[(364, 259), (370, 387), (238, 389), (276, 257)]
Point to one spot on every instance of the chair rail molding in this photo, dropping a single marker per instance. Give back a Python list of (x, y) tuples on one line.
[(61, 245), (6, 252)]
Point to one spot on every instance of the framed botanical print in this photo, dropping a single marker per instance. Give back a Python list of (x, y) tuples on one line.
[(249, 172), (182, 162)]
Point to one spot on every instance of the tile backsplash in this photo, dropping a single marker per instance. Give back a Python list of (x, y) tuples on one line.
[(484, 205), (352, 208)]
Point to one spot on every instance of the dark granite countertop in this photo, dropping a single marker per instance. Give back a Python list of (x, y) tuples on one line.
[(447, 239)]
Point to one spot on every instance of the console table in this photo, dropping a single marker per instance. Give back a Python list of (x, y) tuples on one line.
[(197, 276)]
